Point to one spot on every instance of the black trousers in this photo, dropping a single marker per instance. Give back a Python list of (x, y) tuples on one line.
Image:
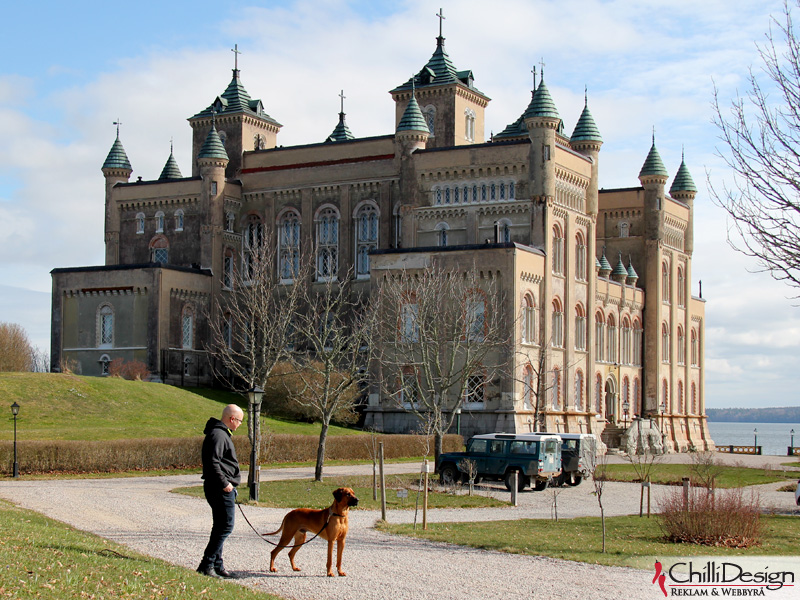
[(223, 512)]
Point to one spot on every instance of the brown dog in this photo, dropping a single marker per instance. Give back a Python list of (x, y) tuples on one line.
[(330, 523)]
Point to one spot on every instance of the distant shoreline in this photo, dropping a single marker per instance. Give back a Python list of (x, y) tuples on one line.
[(787, 414)]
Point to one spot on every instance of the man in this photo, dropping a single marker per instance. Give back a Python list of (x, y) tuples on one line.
[(220, 478)]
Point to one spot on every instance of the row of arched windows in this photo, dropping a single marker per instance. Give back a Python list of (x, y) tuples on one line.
[(681, 408), (160, 221), (666, 347), (557, 253), (473, 193), (666, 284)]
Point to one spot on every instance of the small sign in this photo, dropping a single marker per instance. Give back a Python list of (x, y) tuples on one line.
[(402, 493), (427, 467), (645, 484)]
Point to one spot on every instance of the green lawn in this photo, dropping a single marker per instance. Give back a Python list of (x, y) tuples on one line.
[(316, 494), (43, 558), (630, 541), (729, 477), (56, 406)]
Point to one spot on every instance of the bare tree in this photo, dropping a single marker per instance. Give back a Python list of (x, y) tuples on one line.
[(761, 145), (644, 460), (335, 324), (540, 384), (442, 340), (16, 352), (597, 468)]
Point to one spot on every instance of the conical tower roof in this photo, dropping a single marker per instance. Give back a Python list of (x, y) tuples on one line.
[(212, 147), (653, 165), (605, 266), (412, 118), (171, 169), (341, 132), (620, 270), (683, 181), (117, 158), (542, 104), (586, 129), (632, 275), (235, 99)]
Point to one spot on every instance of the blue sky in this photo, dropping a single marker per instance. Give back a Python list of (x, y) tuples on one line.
[(71, 69)]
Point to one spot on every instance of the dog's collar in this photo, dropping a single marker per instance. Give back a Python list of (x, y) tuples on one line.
[(333, 514)]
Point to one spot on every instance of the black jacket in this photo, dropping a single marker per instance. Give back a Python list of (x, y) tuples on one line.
[(220, 465)]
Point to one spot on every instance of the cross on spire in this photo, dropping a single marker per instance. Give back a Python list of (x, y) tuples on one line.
[(236, 53), (342, 96), (534, 78), (117, 123), (441, 16), (541, 62)]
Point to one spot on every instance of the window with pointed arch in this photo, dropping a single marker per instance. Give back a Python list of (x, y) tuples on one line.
[(694, 348), (638, 338), (503, 231), (230, 221), (187, 328), (558, 250), (598, 394), (681, 407), (140, 223), (227, 330), (409, 320), (160, 222), (625, 396), (665, 397), (681, 346), (469, 125), (289, 246), (558, 324), (580, 257), (627, 339), (579, 390), (637, 397), (599, 336), (254, 232), (442, 233), (227, 269), (665, 283), (179, 220), (159, 250), (624, 229), (475, 318), (105, 326), (409, 387), (366, 236), (555, 388), (105, 363), (580, 328), (528, 320), (611, 327), (665, 349), (681, 286), (527, 391), (429, 112), (694, 399), (327, 244)]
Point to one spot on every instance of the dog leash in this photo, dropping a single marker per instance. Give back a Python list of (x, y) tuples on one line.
[(264, 539)]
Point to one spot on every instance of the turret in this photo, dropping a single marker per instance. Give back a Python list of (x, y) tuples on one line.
[(620, 273), (653, 177), (542, 121), (212, 161), (632, 277), (684, 190), (341, 133), (412, 131), (586, 140), (116, 169), (605, 267), (171, 169)]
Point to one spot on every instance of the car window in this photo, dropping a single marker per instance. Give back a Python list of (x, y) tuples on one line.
[(519, 447), (478, 447), (496, 447), (550, 446), (569, 445)]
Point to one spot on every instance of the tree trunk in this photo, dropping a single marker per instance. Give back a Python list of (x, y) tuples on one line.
[(438, 439), (323, 436)]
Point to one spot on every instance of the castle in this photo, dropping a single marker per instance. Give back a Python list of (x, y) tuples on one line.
[(624, 334)]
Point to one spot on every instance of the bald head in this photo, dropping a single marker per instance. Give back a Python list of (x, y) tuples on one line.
[(232, 416)]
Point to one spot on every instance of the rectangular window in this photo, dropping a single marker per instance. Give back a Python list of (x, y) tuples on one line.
[(186, 332)]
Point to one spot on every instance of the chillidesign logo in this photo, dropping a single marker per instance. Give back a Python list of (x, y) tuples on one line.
[(660, 577)]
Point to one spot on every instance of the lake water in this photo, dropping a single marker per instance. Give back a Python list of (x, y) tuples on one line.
[(774, 438)]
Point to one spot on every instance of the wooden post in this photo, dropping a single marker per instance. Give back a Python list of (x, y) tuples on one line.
[(514, 489), (641, 498), (425, 469), (648, 496), (383, 481)]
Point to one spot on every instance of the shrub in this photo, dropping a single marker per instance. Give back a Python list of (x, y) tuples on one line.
[(69, 456), (134, 370), (729, 518)]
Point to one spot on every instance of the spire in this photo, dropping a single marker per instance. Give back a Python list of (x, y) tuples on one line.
[(586, 129), (632, 276), (412, 119), (683, 181), (341, 132), (171, 169), (620, 273), (117, 158), (213, 147), (653, 165), (542, 105), (605, 266)]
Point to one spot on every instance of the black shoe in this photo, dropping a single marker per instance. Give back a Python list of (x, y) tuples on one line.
[(224, 573), (207, 570)]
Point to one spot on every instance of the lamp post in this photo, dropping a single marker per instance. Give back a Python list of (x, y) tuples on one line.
[(458, 420), (755, 438), (662, 408), (792, 434), (15, 412), (625, 407), (254, 396)]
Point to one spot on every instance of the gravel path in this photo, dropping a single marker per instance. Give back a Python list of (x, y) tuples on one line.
[(142, 514)]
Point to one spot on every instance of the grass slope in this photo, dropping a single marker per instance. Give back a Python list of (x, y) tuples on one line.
[(56, 406)]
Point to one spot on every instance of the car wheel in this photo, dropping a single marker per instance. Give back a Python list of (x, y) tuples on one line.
[(449, 475), (521, 480), (540, 485), (575, 480)]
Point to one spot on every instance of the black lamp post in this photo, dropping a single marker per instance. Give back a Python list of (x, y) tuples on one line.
[(458, 420), (254, 396), (625, 408), (15, 412), (662, 409), (792, 434), (755, 437)]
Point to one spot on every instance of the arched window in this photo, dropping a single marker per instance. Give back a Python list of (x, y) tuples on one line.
[(598, 394), (578, 390), (366, 236), (476, 316), (179, 220), (556, 385), (469, 125), (637, 342), (528, 320), (558, 250), (665, 283), (665, 397), (230, 221), (626, 341), (140, 223), (624, 229), (254, 231), (327, 244), (558, 324), (681, 408), (160, 222), (626, 385), (105, 326), (429, 112), (527, 392), (105, 363), (612, 339), (580, 328), (409, 387), (227, 330), (159, 250), (580, 257), (637, 397), (442, 232), (681, 285), (599, 337), (665, 353), (409, 320), (694, 348), (694, 399), (187, 328), (681, 346), (227, 269), (502, 230), (289, 246)]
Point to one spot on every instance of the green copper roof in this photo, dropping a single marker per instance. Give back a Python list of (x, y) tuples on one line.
[(517, 128), (171, 169), (620, 268), (631, 271), (212, 147), (683, 181), (412, 118), (542, 104), (596, 262), (117, 159), (604, 264), (586, 130), (653, 165), (439, 70), (235, 99), (341, 132)]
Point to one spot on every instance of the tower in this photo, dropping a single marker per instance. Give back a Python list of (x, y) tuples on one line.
[(212, 161), (116, 169)]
